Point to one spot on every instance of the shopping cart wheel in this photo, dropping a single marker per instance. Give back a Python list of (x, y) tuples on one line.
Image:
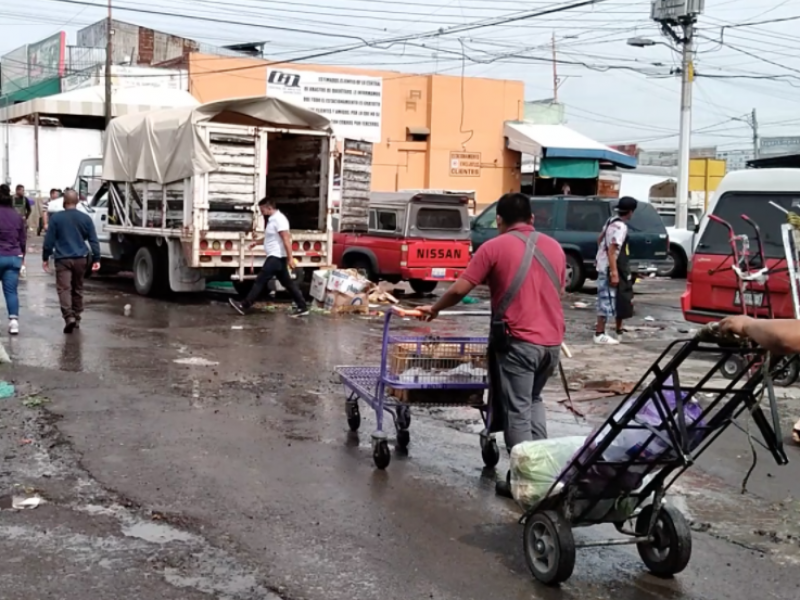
[(732, 367), (549, 547), (403, 417), (671, 548), (403, 439), (353, 415), (490, 452), (381, 454)]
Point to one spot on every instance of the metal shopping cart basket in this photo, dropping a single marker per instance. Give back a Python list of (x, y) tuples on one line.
[(597, 486), (419, 370)]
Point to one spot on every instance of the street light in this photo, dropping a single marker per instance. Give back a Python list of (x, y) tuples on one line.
[(685, 131)]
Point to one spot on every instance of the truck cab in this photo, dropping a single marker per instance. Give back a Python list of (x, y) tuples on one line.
[(419, 237)]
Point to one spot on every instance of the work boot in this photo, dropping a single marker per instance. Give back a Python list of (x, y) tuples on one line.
[(70, 327), (503, 488)]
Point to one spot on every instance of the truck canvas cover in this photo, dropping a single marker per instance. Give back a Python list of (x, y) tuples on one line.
[(164, 146)]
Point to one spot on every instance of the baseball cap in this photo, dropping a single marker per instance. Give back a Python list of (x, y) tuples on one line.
[(626, 204)]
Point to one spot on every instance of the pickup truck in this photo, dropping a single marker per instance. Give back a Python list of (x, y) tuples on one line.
[(576, 222), (419, 237)]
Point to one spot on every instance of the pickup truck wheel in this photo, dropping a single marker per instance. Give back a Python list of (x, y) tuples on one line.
[(576, 275), (423, 287), (149, 277), (362, 264), (677, 268)]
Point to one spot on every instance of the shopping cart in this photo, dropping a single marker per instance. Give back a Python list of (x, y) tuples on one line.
[(420, 370), (593, 488)]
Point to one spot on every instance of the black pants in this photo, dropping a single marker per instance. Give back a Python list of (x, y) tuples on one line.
[(278, 268)]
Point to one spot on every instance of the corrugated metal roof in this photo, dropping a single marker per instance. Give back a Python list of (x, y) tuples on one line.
[(558, 141)]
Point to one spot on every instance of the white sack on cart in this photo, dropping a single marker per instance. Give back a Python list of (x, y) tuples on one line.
[(535, 466), (465, 373)]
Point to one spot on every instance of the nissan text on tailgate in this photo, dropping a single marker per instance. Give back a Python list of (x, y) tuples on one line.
[(422, 238)]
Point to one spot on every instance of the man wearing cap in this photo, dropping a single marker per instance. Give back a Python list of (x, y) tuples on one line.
[(614, 280)]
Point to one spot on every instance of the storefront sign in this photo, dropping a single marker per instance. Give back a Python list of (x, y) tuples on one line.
[(351, 102), (465, 164), (128, 77)]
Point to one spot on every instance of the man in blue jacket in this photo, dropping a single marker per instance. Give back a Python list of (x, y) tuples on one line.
[(67, 234)]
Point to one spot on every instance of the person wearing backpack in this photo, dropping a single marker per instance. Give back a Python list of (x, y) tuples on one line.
[(525, 271), (614, 278)]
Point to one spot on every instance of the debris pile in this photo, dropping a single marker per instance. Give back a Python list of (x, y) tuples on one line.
[(347, 291)]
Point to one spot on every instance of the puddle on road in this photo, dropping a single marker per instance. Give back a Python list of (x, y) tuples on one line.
[(156, 533)]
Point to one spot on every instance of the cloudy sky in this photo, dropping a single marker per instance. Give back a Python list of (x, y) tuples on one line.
[(748, 52)]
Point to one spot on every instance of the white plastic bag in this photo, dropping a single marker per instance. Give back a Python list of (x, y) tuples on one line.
[(535, 466)]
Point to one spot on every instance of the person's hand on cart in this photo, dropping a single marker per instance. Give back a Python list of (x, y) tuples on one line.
[(779, 336), (736, 325), (427, 313)]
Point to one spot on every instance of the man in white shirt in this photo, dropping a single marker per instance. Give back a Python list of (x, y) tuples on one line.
[(278, 248)]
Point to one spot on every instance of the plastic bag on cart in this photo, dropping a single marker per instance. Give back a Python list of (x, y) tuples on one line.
[(535, 466), (637, 444)]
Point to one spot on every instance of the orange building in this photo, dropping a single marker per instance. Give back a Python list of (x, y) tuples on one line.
[(431, 131)]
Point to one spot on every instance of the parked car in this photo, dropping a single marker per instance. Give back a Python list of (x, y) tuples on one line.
[(712, 287), (419, 237), (681, 244), (576, 223)]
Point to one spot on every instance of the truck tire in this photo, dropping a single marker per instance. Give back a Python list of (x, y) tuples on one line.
[(423, 287), (149, 272), (679, 263), (362, 263), (576, 274)]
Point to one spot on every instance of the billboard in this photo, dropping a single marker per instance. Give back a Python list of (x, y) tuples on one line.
[(778, 146), (128, 77), (352, 103), (15, 70), (46, 58)]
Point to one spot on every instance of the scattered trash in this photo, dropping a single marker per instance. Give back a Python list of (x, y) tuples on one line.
[(6, 389), (649, 319), (25, 442), (652, 275), (34, 401), (470, 300), (378, 297), (19, 503), (237, 327), (614, 386), (580, 305), (196, 361), (127, 310)]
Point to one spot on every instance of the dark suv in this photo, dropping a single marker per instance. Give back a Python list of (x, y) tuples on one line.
[(576, 222)]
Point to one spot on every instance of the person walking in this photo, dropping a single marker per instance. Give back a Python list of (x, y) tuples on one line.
[(614, 278), (278, 248), (66, 237), (43, 217), (13, 239), (22, 204), (525, 271)]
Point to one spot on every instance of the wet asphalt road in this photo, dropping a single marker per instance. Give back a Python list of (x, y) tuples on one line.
[(190, 453)]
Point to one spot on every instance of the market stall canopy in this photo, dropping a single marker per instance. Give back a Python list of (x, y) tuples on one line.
[(165, 146), (560, 142), (90, 102)]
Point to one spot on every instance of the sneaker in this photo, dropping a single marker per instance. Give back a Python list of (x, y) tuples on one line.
[(70, 327), (603, 339), (13, 327), (300, 312), (238, 306)]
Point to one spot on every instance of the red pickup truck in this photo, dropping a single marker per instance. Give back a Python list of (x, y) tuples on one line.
[(422, 238)]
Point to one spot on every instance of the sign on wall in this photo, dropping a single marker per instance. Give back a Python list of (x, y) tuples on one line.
[(351, 102), (128, 77), (465, 164)]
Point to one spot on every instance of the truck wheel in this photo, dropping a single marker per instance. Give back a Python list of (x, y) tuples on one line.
[(677, 264), (362, 264), (423, 287), (148, 272), (576, 275)]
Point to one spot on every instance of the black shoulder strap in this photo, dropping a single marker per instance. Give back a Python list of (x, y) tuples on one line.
[(522, 272)]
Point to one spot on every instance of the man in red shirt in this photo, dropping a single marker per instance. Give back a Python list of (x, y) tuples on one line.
[(534, 320)]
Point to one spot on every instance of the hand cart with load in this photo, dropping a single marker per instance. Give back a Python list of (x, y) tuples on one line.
[(424, 371), (621, 473)]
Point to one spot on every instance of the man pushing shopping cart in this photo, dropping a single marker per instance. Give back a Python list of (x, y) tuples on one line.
[(525, 271)]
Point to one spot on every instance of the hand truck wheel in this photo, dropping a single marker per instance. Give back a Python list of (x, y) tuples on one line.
[(549, 547), (381, 454), (669, 552), (353, 415), (732, 367), (788, 375), (490, 452)]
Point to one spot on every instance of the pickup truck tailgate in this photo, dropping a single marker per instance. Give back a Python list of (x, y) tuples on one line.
[(438, 253)]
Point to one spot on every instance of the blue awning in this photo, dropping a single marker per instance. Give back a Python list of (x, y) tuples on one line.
[(558, 141)]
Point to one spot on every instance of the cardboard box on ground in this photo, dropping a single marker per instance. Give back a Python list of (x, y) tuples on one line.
[(343, 291)]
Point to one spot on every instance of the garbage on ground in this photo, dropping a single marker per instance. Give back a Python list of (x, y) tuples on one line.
[(20, 503), (346, 291), (470, 300), (6, 390), (649, 319), (580, 304), (127, 310), (613, 386), (378, 296)]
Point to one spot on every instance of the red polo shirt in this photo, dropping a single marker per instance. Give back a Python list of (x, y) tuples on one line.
[(535, 314)]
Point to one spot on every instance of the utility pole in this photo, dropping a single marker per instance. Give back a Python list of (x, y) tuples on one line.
[(754, 125), (109, 62), (555, 71), (681, 15)]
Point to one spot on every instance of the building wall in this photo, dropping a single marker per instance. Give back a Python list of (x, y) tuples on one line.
[(429, 101)]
